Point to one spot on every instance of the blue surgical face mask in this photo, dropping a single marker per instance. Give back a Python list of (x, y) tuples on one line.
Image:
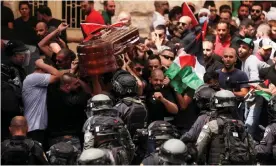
[(202, 19)]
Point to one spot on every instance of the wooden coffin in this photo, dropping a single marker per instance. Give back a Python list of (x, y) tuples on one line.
[(98, 55)]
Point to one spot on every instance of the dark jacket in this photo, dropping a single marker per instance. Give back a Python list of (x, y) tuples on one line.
[(213, 65), (37, 157), (265, 148)]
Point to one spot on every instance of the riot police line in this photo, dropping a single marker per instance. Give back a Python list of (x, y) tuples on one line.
[(119, 136)]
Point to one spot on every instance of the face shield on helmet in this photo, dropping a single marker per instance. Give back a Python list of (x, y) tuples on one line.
[(203, 96), (223, 99), (97, 103), (27, 56), (173, 152), (160, 131)]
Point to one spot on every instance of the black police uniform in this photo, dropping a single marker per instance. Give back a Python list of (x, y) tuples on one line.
[(265, 149), (37, 157)]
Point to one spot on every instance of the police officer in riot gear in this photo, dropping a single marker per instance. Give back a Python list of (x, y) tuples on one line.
[(159, 132), (12, 76), (266, 150), (202, 97), (95, 156), (172, 152), (212, 134), (100, 104)]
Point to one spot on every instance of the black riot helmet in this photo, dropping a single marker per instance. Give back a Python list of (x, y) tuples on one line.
[(124, 84), (203, 96), (14, 46), (174, 152), (161, 131), (62, 153), (272, 109)]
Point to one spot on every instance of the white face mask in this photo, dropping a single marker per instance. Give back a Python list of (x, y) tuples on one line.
[(203, 19)]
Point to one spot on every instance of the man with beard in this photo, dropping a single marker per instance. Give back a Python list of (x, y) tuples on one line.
[(223, 37), (255, 13), (93, 16), (161, 8), (243, 13), (64, 57), (66, 102), (44, 14), (109, 11), (55, 44), (160, 100), (214, 17), (184, 28), (229, 72), (251, 66), (246, 29), (265, 51), (228, 75), (210, 62)]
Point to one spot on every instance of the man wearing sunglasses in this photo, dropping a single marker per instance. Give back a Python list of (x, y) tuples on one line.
[(167, 57), (255, 13), (184, 27)]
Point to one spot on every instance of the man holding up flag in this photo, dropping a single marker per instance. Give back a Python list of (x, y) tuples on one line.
[(251, 66)]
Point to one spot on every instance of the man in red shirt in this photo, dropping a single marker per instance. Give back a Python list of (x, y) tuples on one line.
[(223, 37), (93, 16)]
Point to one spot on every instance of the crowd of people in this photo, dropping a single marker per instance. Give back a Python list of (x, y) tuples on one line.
[(51, 114)]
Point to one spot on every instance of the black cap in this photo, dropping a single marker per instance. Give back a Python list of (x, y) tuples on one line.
[(14, 46)]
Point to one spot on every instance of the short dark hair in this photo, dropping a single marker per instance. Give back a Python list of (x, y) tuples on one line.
[(160, 27), (223, 7), (208, 76), (68, 53), (257, 4), (246, 23), (242, 5), (44, 10), (224, 22), (152, 57), (105, 2), (226, 11), (175, 10), (24, 3), (209, 3)]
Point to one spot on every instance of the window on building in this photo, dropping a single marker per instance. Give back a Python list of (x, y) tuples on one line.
[(72, 13), (35, 5)]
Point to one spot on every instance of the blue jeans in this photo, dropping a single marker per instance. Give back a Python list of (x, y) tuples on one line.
[(252, 115)]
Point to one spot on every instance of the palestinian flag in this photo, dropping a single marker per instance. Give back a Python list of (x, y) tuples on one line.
[(265, 95), (182, 74), (186, 11)]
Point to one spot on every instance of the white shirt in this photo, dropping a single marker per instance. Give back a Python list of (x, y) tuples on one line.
[(34, 94), (158, 19), (251, 67)]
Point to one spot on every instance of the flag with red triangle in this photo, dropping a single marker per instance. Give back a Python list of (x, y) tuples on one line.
[(186, 11)]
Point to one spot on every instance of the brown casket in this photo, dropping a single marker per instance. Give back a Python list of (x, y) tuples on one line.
[(98, 55)]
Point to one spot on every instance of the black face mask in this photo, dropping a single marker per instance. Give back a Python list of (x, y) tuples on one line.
[(167, 11)]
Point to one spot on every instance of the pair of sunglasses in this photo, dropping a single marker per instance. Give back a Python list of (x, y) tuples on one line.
[(168, 57), (257, 11)]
